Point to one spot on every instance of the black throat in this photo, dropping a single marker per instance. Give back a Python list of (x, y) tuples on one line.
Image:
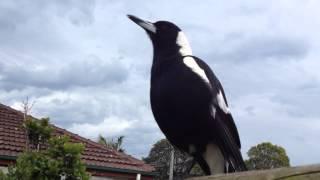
[(166, 53), (164, 59)]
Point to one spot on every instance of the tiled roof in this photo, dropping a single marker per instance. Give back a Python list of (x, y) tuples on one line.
[(13, 141)]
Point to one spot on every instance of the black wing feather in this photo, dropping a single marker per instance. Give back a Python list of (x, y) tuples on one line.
[(216, 87), (229, 141)]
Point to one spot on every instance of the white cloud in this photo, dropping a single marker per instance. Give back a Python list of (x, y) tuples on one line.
[(111, 125), (89, 71), (263, 119)]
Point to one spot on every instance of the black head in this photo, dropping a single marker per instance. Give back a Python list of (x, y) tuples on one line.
[(166, 37)]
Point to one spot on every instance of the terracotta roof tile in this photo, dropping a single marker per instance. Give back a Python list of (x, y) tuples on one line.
[(13, 139)]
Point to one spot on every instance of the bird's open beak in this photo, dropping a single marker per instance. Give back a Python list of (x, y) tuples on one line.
[(148, 26)]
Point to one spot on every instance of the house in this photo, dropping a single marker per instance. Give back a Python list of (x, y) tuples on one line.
[(101, 162)]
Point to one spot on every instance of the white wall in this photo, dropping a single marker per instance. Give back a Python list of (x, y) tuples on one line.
[(4, 169), (100, 178)]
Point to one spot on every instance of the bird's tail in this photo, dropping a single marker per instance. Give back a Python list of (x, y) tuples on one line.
[(232, 153), (233, 165)]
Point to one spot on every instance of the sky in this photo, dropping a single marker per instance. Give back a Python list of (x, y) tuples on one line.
[(87, 66)]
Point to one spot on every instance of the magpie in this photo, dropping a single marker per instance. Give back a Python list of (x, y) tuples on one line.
[(189, 103)]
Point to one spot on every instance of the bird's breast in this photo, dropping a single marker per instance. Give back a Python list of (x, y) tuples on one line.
[(177, 89), (181, 102)]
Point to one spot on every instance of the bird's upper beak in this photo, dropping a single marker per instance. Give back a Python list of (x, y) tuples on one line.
[(148, 26)]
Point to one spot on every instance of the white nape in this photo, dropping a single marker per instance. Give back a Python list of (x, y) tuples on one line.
[(222, 104), (184, 45), (192, 64)]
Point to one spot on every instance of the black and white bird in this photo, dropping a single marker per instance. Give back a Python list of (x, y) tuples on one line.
[(188, 101)]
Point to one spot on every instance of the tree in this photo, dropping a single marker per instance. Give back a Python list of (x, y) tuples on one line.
[(26, 106), (267, 156), (3, 176), (159, 156), (39, 132), (48, 158), (111, 143)]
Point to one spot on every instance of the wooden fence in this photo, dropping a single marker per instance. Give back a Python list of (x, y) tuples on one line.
[(311, 172)]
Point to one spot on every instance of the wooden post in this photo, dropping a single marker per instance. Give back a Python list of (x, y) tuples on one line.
[(171, 164), (138, 177), (311, 172)]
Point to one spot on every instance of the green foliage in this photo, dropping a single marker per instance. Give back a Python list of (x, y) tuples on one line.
[(39, 131), (197, 171), (111, 143), (3, 176), (160, 155), (68, 156), (35, 165), (267, 156), (60, 158)]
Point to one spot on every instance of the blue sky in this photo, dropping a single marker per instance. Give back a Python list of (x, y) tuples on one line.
[(87, 66)]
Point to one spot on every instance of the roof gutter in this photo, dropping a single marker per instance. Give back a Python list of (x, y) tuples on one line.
[(129, 171), (5, 157)]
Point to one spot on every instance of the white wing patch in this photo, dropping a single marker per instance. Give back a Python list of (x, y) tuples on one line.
[(192, 64), (213, 112), (214, 158), (185, 50), (222, 104), (183, 42)]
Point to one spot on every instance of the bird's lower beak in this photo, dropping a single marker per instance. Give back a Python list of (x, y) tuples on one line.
[(148, 26)]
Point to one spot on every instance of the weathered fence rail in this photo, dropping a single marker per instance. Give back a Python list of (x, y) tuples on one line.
[(311, 172)]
